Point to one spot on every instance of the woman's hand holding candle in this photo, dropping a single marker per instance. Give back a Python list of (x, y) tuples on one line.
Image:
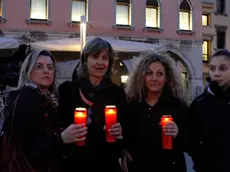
[(80, 119), (74, 133), (171, 129), (116, 131)]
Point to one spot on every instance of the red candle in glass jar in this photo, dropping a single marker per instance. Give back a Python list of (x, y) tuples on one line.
[(80, 117), (110, 119), (166, 140)]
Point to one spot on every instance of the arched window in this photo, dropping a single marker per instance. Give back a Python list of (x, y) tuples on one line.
[(123, 12), (185, 16), (79, 8), (152, 14)]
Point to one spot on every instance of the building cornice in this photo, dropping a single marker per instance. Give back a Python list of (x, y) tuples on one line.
[(209, 5), (51, 35)]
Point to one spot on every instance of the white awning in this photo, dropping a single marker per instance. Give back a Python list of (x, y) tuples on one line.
[(8, 46), (8, 43), (73, 44)]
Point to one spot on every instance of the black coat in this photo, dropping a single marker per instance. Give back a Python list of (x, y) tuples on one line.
[(36, 128), (96, 154), (144, 137), (209, 116)]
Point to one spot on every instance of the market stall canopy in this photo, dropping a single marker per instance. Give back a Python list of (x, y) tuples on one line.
[(73, 44), (8, 46)]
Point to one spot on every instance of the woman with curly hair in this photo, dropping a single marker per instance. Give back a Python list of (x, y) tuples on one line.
[(158, 92)]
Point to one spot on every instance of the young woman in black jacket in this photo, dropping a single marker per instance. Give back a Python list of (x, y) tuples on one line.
[(157, 93), (93, 90), (209, 116), (35, 121)]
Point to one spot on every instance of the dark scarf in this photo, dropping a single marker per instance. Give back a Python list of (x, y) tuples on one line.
[(92, 92), (50, 98)]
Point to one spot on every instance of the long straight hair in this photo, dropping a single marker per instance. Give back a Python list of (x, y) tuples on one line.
[(28, 66)]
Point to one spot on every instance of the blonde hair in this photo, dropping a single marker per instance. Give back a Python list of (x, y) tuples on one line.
[(28, 66), (135, 88)]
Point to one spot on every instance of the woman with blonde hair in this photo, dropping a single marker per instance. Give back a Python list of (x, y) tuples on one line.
[(35, 121), (154, 89)]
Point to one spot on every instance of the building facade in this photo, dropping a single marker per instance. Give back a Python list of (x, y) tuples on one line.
[(174, 25), (216, 31)]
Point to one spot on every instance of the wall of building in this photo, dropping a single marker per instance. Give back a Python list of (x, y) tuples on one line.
[(102, 22), (101, 19)]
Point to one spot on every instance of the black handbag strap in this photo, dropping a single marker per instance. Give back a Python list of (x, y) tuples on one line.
[(9, 119), (14, 105)]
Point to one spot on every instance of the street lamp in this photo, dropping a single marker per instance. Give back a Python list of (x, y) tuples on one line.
[(83, 32)]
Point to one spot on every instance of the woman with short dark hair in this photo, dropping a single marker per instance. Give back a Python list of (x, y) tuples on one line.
[(209, 116)]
